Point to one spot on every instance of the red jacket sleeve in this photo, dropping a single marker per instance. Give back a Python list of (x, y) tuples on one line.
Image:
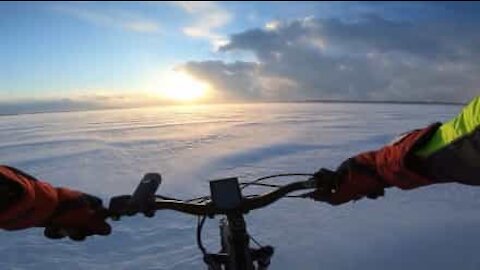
[(395, 164), (367, 174), (36, 203)]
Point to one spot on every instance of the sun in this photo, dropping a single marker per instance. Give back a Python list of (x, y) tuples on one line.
[(180, 86)]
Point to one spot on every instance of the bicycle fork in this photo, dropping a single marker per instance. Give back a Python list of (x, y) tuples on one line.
[(235, 253)]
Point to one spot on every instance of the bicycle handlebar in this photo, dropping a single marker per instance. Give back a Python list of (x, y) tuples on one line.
[(122, 205)]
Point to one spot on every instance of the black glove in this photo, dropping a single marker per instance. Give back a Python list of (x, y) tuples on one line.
[(351, 181), (77, 216)]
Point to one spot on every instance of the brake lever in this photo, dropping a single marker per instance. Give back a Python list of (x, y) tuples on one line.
[(312, 183), (324, 182)]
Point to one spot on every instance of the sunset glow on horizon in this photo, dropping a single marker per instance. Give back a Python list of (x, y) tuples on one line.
[(181, 87)]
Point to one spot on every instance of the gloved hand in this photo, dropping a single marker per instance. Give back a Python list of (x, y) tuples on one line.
[(369, 173), (61, 211), (351, 181), (77, 216)]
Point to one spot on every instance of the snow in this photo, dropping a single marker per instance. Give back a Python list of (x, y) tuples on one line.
[(105, 153)]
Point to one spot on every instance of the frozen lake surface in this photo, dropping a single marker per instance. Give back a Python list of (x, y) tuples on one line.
[(107, 152)]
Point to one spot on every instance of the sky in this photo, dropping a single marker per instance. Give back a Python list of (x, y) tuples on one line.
[(68, 55)]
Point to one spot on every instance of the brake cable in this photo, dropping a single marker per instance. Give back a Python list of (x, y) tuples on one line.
[(256, 182), (244, 185), (201, 221)]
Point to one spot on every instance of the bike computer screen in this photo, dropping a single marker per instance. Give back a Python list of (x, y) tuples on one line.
[(226, 193)]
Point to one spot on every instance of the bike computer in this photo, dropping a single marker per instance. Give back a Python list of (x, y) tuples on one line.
[(226, 194)]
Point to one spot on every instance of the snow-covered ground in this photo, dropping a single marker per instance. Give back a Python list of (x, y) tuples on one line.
[(107, 152)]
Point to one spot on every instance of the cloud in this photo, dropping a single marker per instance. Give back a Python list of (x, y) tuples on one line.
[(208, 18), (125, 20), (272, 25), (236, 81), (239, 81), (369, 58)]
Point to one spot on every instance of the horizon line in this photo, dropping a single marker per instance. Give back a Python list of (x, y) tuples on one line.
[(448, 103)]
